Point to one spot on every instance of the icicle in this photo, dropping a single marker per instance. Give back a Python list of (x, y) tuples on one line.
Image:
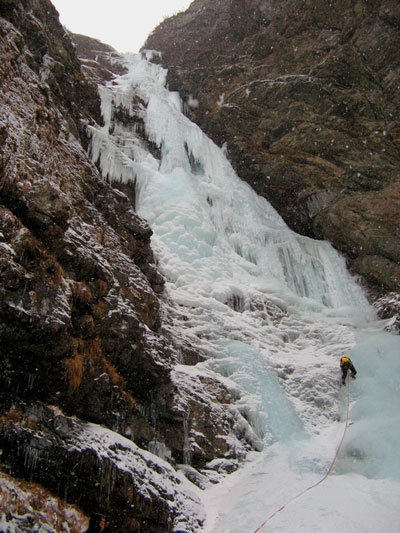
[(160, 449), (31, 458), (187, 451), (107, 472)]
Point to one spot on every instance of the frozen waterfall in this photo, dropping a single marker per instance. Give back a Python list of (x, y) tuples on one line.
[(274, 311)]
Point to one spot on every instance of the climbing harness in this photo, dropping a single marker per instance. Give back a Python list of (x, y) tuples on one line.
[(326, 474)]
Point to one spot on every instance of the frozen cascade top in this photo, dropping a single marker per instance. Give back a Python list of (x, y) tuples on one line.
[(236, 235)]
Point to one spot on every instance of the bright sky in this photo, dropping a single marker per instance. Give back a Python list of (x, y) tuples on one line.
[(123, 24)]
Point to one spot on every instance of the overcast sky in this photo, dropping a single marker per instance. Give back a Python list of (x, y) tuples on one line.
[(123, 24)]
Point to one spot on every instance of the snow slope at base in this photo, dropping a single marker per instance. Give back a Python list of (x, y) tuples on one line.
[(346, 503), (363, 491)]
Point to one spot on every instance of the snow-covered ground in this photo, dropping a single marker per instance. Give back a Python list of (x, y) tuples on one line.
[(362, 492), (274, 312)]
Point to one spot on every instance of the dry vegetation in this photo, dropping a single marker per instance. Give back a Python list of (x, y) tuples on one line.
[(23, 503)]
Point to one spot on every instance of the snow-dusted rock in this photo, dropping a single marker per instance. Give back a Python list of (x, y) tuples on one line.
[(25, 506), (388, 308), (102, 471)]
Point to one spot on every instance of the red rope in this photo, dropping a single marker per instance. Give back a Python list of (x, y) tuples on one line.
[(324, 477)]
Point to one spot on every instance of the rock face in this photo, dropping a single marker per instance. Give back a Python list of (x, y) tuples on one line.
[(305, 96), (26, 506), (100, 471), (82, 340), (99, 61)]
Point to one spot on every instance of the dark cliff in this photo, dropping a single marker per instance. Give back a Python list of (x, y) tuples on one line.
[(85, 362), (305, 95)]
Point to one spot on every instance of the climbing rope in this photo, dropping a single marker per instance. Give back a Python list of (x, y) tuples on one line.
[(326, 474)]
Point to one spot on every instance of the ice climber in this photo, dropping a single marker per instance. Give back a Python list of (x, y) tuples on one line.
[(346, 364)]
